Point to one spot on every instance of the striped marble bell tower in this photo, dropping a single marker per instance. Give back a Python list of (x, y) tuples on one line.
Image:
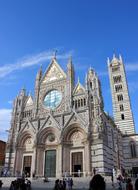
[(122, 112)]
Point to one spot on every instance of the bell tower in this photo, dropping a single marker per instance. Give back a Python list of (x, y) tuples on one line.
[(120, 96)]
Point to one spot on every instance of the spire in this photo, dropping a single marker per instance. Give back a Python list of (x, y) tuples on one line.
[(114, 57), (54, 54), (23, 91), (39, 73), (78, 80), (69, 65), (86, 81), (70, 60), (108, 61), (120, 58)]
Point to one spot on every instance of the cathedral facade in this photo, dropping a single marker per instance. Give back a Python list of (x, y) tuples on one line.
[(64, 128)]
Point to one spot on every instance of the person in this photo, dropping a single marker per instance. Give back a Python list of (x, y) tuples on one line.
[(71, 183), (1, 184), (1, 173), (94, 171), (136, 184), (79, 173), (97, 183), (64, 184), (129, 185), (112, 180), (46, 179), (56, 187), (60, 185)]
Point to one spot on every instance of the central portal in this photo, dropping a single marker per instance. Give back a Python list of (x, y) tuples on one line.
[(77, 164), (50, 163)]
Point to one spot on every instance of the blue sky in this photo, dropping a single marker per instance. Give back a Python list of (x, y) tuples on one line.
[(89, 30)]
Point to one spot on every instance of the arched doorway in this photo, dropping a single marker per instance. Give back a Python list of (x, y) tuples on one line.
[(24, 155), (75, 148), (48, 148)]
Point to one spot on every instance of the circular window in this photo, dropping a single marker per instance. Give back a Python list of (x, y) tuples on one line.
[(51, 137), (52, 99)]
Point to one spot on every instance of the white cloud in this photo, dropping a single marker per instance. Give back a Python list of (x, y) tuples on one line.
[(10, 102), (132, 67), (5, 118), (29, 61)]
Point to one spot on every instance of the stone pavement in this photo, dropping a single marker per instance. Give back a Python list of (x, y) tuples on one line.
[(38, 184)]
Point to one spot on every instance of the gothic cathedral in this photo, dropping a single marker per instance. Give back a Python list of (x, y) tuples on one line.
[(64, 128)]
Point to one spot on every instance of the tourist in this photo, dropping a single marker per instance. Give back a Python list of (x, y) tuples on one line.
[(71, 183), (94, 171), (97, 183), (136, 184), (129, 185), (57, 185), (119, 182), (1, 184), (64, 184)]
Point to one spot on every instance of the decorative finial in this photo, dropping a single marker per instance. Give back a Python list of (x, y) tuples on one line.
[(120, 58), (114, 56), (55, 53), (108, 61), (78, 80)]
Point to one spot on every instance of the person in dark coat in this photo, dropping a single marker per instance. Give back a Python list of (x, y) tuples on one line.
[(136, 184), (129, 185), (1, 184), (97, 183)]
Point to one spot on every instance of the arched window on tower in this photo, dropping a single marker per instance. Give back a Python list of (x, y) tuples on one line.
[(122, 116), (133, 149), (91, 98), (78, 103), (81, 102), (91, 85), (84, 102)]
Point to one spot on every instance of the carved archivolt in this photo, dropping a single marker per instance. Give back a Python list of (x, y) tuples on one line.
[(73, 133), (48, 135)]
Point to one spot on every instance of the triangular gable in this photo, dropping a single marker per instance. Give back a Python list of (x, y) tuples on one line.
[(50, 122), (54, 72), (28, 127), (29, 101), (75, 118), (79, 89)]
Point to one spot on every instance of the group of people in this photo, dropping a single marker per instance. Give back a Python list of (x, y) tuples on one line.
[(20, 184), (65, 184), (126, 183), (98, 183)]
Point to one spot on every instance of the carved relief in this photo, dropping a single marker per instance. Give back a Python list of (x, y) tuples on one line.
[(53, 74), (28, 145), (76, 138)]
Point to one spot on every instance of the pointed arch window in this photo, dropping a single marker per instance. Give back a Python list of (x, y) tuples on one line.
[(79, 103), (133, 149), (84, 102)]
